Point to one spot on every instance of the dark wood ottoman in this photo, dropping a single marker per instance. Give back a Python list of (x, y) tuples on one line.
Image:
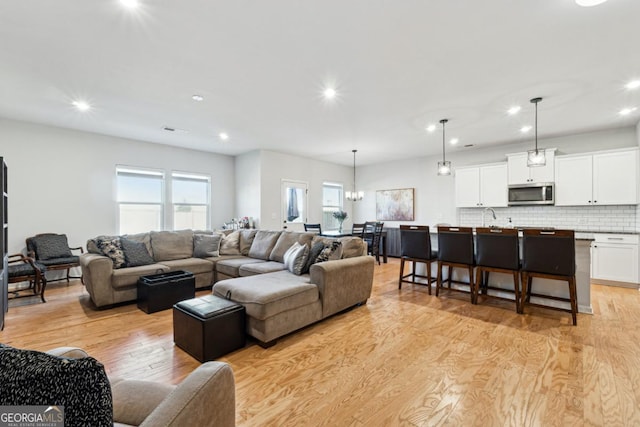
[(158, 292), (208, 327)]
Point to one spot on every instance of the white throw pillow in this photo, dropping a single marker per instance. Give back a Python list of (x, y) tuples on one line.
[(295, 258)]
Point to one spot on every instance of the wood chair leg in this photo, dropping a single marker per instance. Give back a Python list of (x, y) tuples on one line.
[(401, 273), (449, 275), (429, 276), (485, 282), (574, 300), (529, 286), (524, 280), (439, 278), (472, 286), (516, 290), (478, 283)]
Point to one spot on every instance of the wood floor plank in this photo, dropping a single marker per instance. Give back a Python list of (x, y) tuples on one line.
[(406, 358)]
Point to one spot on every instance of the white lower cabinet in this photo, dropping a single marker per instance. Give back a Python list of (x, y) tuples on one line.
[(615, 257)]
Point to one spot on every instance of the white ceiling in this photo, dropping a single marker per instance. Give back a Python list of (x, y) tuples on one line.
[(262, 66)]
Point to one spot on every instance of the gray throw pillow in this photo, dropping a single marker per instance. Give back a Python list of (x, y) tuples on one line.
[(206, 245), (135, 253), (35, 378), (52, 246), (313, 254)]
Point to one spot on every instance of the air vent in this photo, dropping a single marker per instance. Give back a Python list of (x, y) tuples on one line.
[(168, 129), (468, 145)]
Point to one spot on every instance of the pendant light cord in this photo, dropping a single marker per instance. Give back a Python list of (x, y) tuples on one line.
[(535, 101), (354, 173), (443, 121)]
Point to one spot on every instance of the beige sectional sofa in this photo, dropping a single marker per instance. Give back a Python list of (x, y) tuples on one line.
[(249, 270)]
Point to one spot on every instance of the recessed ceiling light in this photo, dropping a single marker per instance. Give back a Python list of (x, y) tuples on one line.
[(81, 105), (514, 110), (627, 111), (589, 3), (223, 136), (197, 98), (454, 141), (525, 129), (329, 93), (634, 84), (431, 128), (131, 4)]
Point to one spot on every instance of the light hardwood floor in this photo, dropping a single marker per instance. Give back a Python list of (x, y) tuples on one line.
[(406, 358)]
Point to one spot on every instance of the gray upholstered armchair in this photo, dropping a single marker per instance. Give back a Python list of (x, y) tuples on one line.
[(53, 251)]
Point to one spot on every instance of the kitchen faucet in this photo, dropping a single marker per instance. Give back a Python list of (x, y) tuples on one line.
[(493, 213)]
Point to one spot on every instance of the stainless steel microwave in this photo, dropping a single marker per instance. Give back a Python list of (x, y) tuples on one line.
[(541, 193)]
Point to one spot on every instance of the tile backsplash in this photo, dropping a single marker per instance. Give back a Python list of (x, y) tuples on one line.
[(591, 218)]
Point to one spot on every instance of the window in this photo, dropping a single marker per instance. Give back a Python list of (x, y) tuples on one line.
[(140, 199), (190, 198), (331, 202)]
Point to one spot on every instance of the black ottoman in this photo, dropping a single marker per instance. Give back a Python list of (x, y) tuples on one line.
[(160, 291), (208, 327)]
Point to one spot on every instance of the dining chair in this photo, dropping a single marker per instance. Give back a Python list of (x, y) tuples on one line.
[(357, 230), (497, 250), (549, 254), (316, 228), (415, 247), (455, 250)]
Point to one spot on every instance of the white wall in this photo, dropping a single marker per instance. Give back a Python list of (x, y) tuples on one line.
[(638, 206), (434, 195), (63, 181), (274, 167), (248, 171)]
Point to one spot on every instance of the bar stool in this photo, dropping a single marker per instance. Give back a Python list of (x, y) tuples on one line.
[(455, 250), (415, 246), (497, 250), (549, 254)]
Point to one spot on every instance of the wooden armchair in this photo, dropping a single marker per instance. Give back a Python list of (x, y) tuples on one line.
[(21, 268), (53, 251)]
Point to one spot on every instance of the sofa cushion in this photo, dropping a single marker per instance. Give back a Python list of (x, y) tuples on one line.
[(263, 244), (127, 277), (193, 265), (170, 245), (246, 239), (352, 247), (135, 253), (296, 257), (230, 244), (231, 266), (51, 246), (206, 245), (111, 247), (80, 385), (260, 268), (286, 240), (217, 259), (269, 294)]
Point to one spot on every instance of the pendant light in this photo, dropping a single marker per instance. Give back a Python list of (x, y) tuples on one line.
[(536, 156), (444, 167), (354, 195)]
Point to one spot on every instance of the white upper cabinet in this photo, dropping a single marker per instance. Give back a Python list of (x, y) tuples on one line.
[(608, 178), (520, 173), (615, 178), (574, 181), (481, 186)]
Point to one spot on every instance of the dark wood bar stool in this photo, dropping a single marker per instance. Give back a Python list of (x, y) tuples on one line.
[(357, 230), (497, 250), (415, 246), (549, 254), (455, 250), (316, 228)]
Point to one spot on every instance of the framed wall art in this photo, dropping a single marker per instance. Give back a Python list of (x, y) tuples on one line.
[(394, 205)]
